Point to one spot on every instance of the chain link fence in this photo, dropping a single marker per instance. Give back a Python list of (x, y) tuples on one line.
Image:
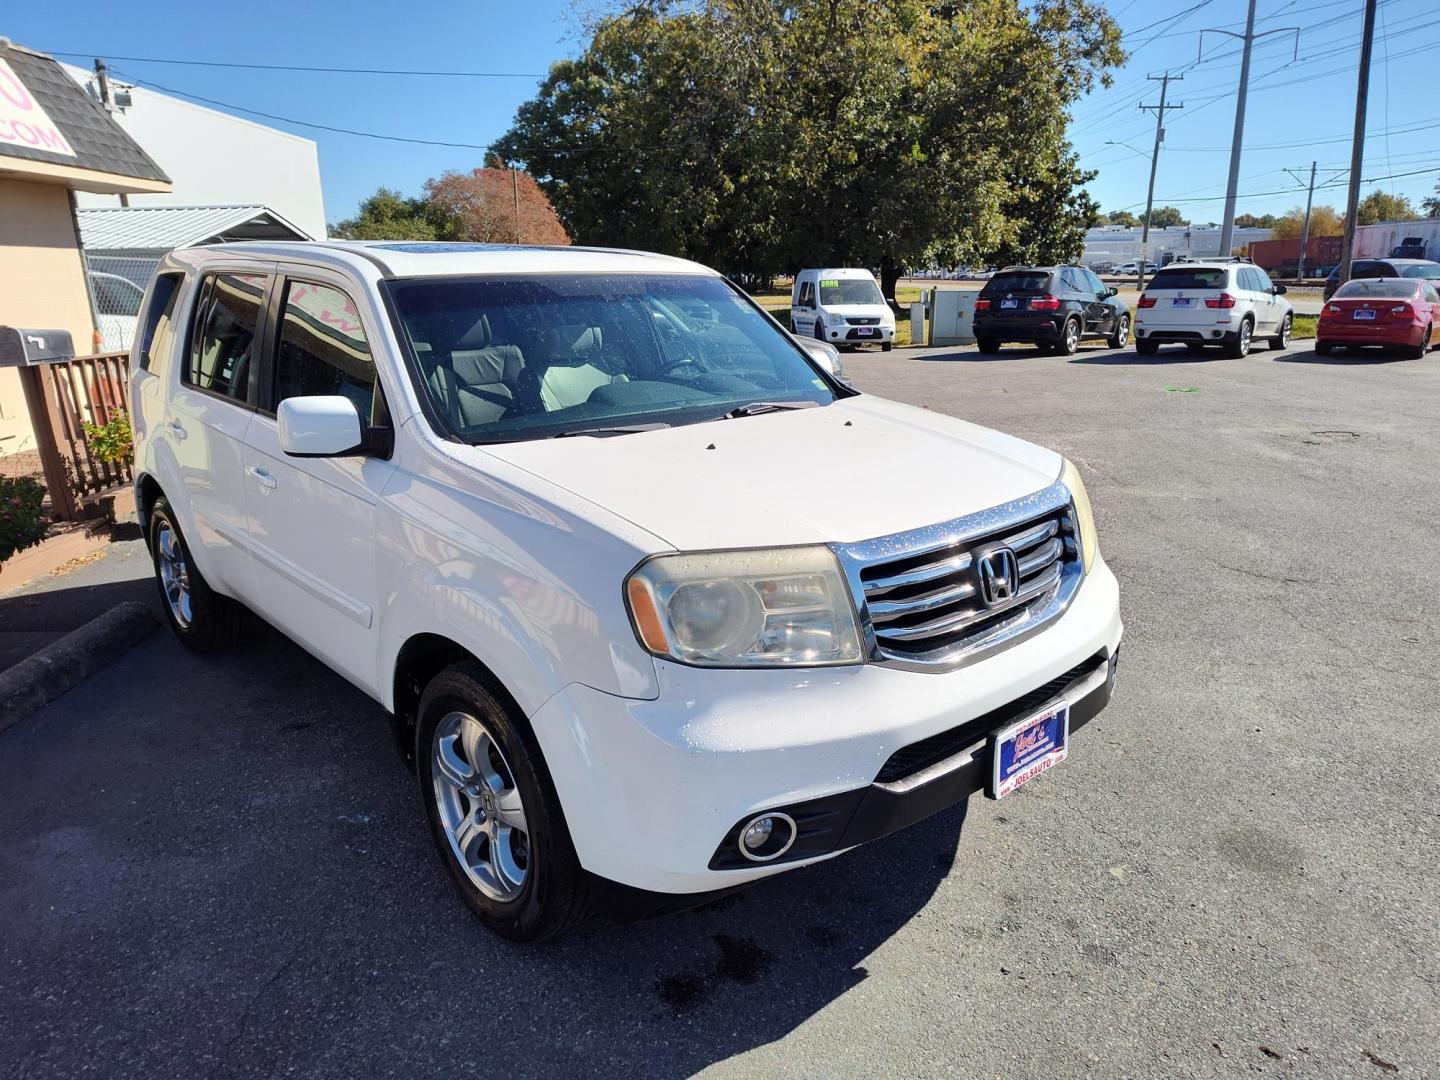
[(117, 283)]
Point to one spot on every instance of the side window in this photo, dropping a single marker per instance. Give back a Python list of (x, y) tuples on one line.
[(323, 349), (1248, 280), (1262, 280), (224, 345), (157, 334), (1431, 294), (1094, 282), (807, 294)]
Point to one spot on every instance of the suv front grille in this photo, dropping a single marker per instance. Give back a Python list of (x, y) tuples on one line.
[(856, 320), (928, 605)]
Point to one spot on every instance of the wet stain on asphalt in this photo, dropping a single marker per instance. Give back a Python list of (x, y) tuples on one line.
[(740, 960)]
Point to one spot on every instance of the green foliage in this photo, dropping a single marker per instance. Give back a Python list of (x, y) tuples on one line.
[(1255, 221), (21, 523), (1431, 203), (388, 215), (1165, 217), (1381, 206), (112, 442), (761, 135), (1121, 217)]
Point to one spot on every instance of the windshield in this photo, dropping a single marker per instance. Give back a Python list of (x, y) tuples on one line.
[(1421, 270), (1386, 290), (504, 359), (1197, 277), (850, 291)]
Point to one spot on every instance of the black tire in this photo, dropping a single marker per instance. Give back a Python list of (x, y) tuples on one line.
[(1282, 339), (1419, 351), (557, 895), (1069, 339), (1323, 348), (1146, 348), (1120, 336), (886, 346), (200, 617), (819, 330), (987, 345), (1240, 347)]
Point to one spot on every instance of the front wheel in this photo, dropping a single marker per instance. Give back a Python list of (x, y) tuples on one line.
[(1240, 347), (201, 618), (819, 330), (1069, 338), (1282, 339), (886, 346), (1146, 348), (1121, 334), (493, 811)]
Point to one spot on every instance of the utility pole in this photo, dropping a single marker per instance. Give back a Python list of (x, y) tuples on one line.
[(1159, 111), (1357, 147), (1227, 228), (102, 80), (1304, 229)]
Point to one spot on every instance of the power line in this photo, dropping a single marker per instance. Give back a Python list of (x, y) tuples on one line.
[(305, 67)]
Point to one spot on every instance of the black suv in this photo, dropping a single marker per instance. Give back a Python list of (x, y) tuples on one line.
[(1053, 307)]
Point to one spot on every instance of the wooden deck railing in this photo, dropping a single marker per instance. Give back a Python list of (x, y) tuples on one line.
[(62, 398)]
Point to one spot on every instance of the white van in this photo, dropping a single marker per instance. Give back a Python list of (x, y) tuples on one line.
[(843, 307)]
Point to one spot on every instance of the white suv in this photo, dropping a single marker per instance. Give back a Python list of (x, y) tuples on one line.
[(1199, 304), (551, 508)]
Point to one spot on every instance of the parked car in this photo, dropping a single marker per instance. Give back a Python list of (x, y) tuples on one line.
[(117, 304), (841, 306), (1131, 268), (1392, 313), (1383, 268), (638, 650), (1202, 304), (1052, 307)]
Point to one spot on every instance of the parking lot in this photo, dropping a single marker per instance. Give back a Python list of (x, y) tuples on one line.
[(218, 866)]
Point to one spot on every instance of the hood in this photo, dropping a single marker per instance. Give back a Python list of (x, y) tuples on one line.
[(860, 468)]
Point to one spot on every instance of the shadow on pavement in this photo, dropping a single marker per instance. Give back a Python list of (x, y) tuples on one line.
[(1131, 358), (243, 884), (30, 620), (974, 356), (1366, 359)]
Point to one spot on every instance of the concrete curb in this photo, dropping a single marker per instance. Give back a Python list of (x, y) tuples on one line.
[(64, 664)]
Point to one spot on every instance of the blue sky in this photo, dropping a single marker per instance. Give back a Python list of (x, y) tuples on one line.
[(1299, 111)]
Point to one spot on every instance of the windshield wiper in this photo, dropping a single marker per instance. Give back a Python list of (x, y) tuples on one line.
[(755, 408), (605, 432)]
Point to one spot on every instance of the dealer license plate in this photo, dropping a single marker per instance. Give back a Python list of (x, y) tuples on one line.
[(1362, 313), (1009, 303), (1024, 750), (864, 331), (1182, 301)]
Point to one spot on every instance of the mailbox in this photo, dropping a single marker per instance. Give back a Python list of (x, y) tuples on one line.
[(26, 348)]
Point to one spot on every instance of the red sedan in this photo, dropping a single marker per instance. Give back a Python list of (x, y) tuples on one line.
[(1396, 313)]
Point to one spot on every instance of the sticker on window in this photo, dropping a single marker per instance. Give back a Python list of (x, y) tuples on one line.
[(829, 283)]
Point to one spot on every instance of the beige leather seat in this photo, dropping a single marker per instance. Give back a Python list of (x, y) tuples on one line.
[(571, 368)]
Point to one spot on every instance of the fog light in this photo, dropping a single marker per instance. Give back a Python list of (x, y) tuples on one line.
[(767, 836)]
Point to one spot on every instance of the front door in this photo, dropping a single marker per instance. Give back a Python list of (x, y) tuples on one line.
[(312, 520)]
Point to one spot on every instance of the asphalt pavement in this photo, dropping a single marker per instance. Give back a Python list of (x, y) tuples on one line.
[(218, 866)]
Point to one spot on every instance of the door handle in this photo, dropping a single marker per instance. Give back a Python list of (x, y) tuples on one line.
[(267, 481), (177, 429)]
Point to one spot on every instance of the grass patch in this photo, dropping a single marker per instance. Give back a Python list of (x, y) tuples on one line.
[(1303, 326)]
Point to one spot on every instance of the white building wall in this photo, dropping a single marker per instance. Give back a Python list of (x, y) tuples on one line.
[(215, 158), (1377, 241), (1117, 244)]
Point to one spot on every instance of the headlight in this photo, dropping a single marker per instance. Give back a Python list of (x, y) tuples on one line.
[(1084, 519), (835, 320), (763, 608)]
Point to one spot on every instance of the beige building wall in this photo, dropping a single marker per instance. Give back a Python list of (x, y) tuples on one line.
[(42, 284)]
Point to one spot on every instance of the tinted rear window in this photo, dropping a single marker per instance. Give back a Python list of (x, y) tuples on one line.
[(1421, 270), (1389, 289), (1019, 281), (1190, 277)]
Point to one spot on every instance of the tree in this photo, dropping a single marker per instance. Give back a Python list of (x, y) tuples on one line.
[(1122, 217), (761, 135), (388, 215), (1431, 203), (1165, 217), (482, 207), (1381, 206), (1324, 221), (1255, 221)]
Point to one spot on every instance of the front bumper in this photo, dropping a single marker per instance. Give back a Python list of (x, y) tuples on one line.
[(653, 790), (859, 335)]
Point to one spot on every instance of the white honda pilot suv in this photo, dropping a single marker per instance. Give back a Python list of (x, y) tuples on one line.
[(1227, 302), (552, 508)]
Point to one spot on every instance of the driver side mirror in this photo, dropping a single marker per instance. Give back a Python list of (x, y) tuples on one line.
[(1278, 290), (1111, 292), (320, 426)]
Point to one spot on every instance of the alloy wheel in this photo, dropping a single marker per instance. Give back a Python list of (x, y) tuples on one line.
[(174, 575), (1286, 328), (1245, 332), (480, 807), (1072, 336)]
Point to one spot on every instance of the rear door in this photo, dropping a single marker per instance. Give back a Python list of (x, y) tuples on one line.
[(1100, 301), (207, 417), (803, 317)]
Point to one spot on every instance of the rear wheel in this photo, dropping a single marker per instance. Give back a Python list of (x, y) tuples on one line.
[(1420, 350), (493, 811), (1146, 348), (1121, 334), (987, 345), (1240, 347), (1282, 339), (1069, 338), (201, 618), (1323, 348)]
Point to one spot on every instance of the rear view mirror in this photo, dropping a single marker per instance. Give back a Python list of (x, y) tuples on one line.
[(327, 426)]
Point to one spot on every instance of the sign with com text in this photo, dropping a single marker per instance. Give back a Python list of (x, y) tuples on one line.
[(23, 122)]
